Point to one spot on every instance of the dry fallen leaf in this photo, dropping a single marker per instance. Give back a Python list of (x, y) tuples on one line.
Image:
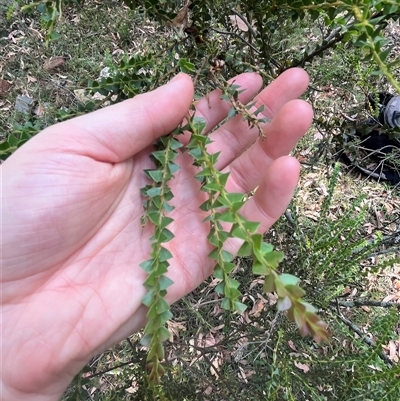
[(302, 366), (54, 63), (4, 87), (239, 23)]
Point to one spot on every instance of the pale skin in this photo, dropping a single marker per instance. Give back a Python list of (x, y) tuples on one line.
[(72, 239)]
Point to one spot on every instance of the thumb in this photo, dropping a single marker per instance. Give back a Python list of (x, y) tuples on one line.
[(117, 132)]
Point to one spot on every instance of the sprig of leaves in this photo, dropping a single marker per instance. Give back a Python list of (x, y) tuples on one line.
[(157, 207), (224, 210)]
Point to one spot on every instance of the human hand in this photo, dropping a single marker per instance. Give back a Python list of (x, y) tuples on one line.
[(72, 235)]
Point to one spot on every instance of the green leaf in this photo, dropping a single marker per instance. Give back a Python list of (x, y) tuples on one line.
[(245, 250), (199, 124), (175, 144), (147, 265), (173, 167), (251, 226), (164, 255), (239, 307), (218, 272), (186, 66), (156, 191), (232, 113), (164, 283), (228, 217), (146, 340), (226, 256), (163, 334), (148, 298), (165, 221), (161, 306), (269, 284), (274, 258), (165, 316), (288, 279), (226, 304), (166, 235), (260, 268)]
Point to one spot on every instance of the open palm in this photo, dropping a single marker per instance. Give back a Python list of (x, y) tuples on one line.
[(72, 236)]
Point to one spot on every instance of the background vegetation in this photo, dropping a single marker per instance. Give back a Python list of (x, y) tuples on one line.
[(341, 233)]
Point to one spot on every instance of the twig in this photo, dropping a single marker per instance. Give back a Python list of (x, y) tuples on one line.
[(366, 302), (370, 342), (291, 221), (239, 37)]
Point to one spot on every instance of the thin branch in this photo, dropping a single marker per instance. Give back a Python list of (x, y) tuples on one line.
[(366, 302), (369, 341)]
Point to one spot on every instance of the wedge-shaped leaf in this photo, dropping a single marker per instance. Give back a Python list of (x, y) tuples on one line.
[(219, 289), (167, 207), (163, 334), (199, 124), (231, 198), (239, 232), (155, 191), (147, 265), (226, 304), (151, 327), (232, 283), (175, 144), (160, 156), (227, 217), (280, 289), (239, 307), (269, 284), (222, 177), (232, 113), (229, 267), (218, 272), (288, 279), (203, 173), (173, 167), (205, 206), (245, 250), (155, 175), (154, 216), (274, 258), (146, 340), (161, 305), (214, 254), (260, 268), (148, 298), (211, 187), (196, 153), (164, 282), (251, 226), (296, 291), (165, 316), (156, 352), (166, 235), (164, 254), (165, 221)]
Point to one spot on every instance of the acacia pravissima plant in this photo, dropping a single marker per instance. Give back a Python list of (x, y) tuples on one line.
[(223, 214)]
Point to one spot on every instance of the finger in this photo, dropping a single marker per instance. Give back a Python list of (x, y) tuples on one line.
[(213, 109), (273, 195), (115, 133), (232, 138), (282, 134)]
